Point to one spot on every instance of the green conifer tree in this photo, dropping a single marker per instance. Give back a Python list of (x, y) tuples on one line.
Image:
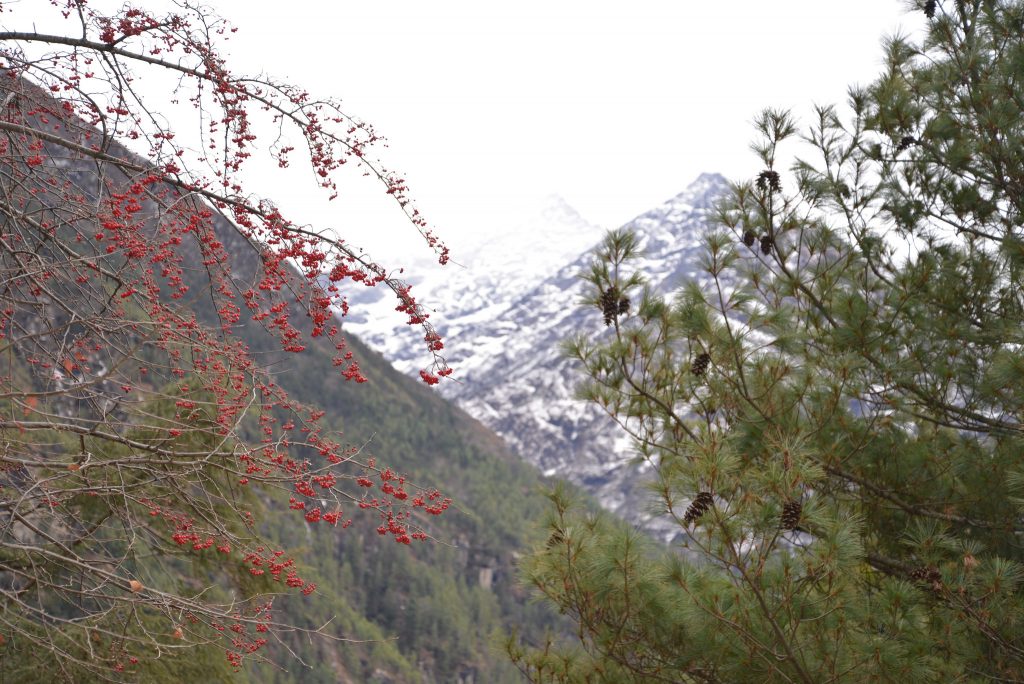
[(835, 415)]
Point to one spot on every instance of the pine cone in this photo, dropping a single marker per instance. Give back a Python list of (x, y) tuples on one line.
[(748, 238), (700, 364), (929, 8), (927, 575), (769, 181), (613, 304), (610, 304), (766, 244), (698, 507), (905, 142), (924, 574), (791, 512)]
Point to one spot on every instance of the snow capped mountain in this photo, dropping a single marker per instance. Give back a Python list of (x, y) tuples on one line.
[(506, 321), (484, 280), (520, 384)]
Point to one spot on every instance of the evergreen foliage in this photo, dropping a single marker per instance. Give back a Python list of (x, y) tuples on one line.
[(834, 411)]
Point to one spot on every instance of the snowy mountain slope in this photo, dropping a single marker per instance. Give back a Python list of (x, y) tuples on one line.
[(505, 324), (482, 282), (520, 385)]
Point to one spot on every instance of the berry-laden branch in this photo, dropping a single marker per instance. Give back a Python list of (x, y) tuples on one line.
[(134, 418)]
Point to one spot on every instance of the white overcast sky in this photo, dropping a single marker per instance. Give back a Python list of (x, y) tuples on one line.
[(616, 106), (489, 106)]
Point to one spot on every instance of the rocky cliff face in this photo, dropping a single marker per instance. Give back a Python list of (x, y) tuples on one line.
[(510, 371)]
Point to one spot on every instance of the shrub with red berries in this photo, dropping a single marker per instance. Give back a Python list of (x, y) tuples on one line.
[(139, 429)]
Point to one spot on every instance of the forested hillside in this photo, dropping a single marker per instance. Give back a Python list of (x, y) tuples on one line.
[(448, 601), (159, 510)]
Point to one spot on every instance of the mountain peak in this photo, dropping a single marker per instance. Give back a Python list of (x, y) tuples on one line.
[(710, 178), (556, 207), (699, 196), (703, 191), (550, 221)]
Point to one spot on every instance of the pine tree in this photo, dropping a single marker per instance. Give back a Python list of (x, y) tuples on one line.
[(848, 470)]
